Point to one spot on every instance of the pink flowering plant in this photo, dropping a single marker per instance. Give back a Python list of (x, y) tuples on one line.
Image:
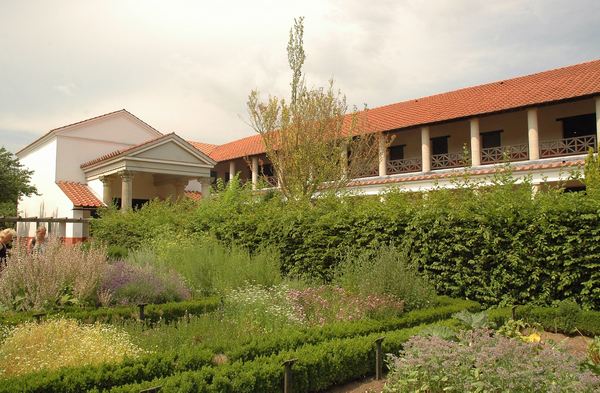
[(324, 304), (482, 361), (284, 304)]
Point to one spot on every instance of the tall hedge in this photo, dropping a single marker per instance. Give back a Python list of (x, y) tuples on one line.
[(496, 245)]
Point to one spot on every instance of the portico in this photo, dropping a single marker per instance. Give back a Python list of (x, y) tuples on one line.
[(161, 168)]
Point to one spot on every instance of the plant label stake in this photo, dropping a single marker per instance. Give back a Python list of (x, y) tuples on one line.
[(38, 317), (287, 375), (142, 315), (154, 389), (378, 359)]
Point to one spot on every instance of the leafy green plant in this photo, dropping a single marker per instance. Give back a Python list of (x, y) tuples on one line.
[(386, 272), (473, 320)]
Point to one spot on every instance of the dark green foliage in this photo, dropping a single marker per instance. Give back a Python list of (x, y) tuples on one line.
[(14, 183), (494, 245), (153, 312), (318, 367), (254, 354), (565, 318)]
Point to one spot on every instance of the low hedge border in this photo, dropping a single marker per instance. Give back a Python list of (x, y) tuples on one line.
[(290, 340), (153, 312), (318, 367), (162, 365), (552, 319)]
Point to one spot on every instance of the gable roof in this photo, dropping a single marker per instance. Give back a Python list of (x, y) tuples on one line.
[(53, 131), (131, 149), (79, 193), (205, 148), (561, 84)]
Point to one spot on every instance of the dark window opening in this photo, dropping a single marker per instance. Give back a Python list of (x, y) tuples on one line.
[(267, 170), (213, 177), (396, 152), (491, 139), (226, 178), (439, 145), (135, 203), (576, 126)]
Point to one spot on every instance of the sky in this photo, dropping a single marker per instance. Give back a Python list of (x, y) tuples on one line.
[(188, 66)]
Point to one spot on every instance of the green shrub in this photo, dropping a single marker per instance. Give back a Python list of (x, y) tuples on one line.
[(495, 245), (386, 272), (318, 367), (153, 312), (210, 267), (553, 318), (191, 357)]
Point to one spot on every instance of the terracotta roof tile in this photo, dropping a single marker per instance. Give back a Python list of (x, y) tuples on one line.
[(80, 194), (560, 84), (205, 148), (394, 179), (193, 195)]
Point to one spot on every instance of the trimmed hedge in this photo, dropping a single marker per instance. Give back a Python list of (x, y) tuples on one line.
[(318, 367), (495, 245), (163, 365), (153, 312), (272, 344), (552, 319)]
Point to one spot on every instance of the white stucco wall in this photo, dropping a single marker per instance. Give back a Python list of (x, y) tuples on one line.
[(51, 201), (93, 139)]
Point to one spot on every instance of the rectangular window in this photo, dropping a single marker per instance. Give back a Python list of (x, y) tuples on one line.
[(213, 177), (491, 139), (439, 145), (582, 125), (396, 152)]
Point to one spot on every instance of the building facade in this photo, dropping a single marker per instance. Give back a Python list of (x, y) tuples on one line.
[(541, 125)]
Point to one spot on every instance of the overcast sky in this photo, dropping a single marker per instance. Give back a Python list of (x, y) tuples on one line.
[(188, 66)]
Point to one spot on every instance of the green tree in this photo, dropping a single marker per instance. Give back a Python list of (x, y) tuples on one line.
[(14, 182), (311, 142)]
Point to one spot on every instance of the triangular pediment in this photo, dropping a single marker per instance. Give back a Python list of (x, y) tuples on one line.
[(117, 127), (173, 151)]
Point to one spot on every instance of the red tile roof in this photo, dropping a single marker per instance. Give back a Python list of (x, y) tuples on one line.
[(580, 80), (80, 194), (450, 174), (193, 195), (205, 148)]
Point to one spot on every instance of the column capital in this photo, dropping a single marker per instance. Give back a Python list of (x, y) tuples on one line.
[(126, 175), (104, 179)]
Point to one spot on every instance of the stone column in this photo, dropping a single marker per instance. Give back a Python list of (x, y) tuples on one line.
[(205, 183), (126, 190), (425, 150), (180, 185), (475, 143), (532, 126), (231, 170), (598, 123), (254, 172), (106, 191), (383, 154), (344, 159)]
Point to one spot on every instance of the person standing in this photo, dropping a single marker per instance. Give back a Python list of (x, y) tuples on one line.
[(37, 245), (6, 237)]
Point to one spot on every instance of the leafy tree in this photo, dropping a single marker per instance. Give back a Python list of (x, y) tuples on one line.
[(311, 142), (14, 182)]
